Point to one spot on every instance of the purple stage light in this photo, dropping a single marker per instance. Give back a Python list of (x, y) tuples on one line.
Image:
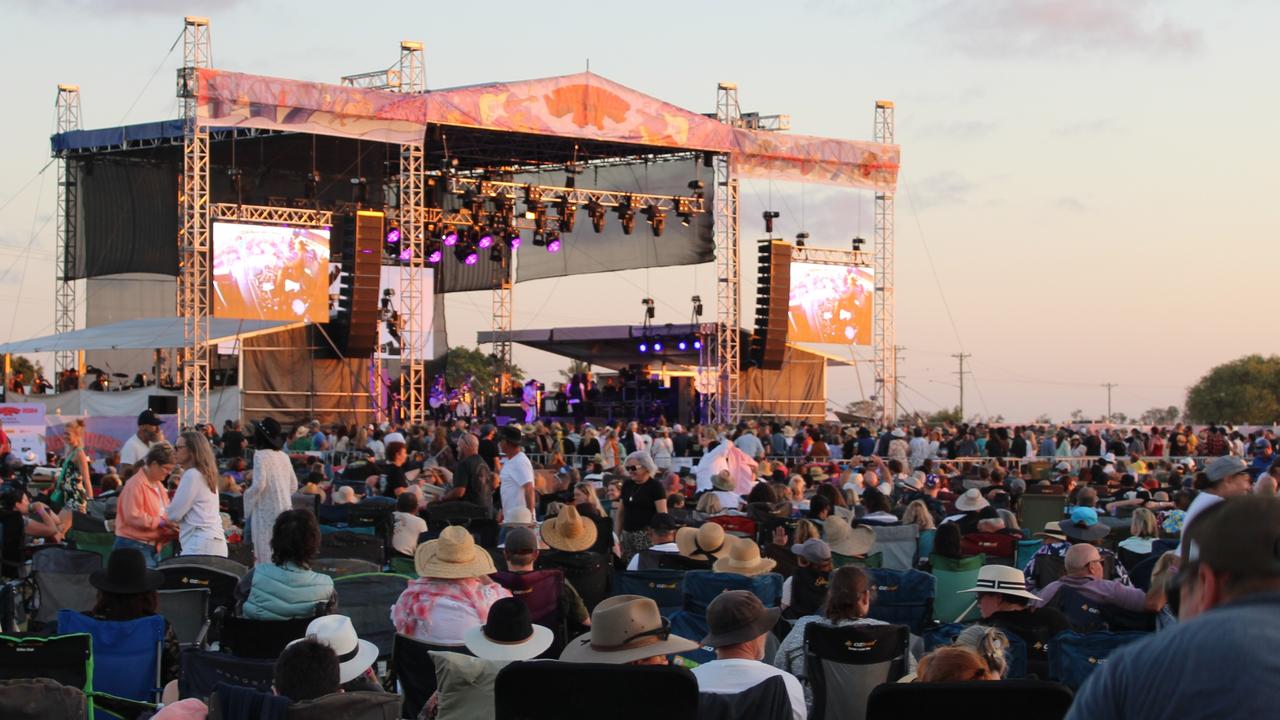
[(406, 254), (682, 345), (451, 238), (472, 258), (553, 246), (486, 241), (657, 346), (393, 236), (435, 257), (697, 344), (644, 347)]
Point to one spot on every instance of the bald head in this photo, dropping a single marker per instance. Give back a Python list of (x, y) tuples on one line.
[(468, 444), (1083, 559)]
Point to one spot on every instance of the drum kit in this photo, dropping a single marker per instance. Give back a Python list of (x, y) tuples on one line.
[(456, 403)]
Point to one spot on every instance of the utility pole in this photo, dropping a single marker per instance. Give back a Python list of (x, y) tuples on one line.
[(961, 357), (1109, 386)]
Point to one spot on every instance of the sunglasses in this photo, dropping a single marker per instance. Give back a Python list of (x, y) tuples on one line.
[(662, 633), (632, 468)]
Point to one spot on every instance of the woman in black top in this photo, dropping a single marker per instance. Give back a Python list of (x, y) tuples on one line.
[(397, 454), (642, 498)]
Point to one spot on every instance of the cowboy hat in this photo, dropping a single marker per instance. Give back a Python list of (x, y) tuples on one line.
[(704, 541), (816, 475), (898, 433), (354, 655), (568, 531), (1001, 580), (626, 628), (126, 573), (744, 559), (451, 556), (723, 481), (971, 501), (1051, 530), (345, 495), (266, 434), (847, 540), (737, 616), (518, 516), (1083, 526), (508, 634)]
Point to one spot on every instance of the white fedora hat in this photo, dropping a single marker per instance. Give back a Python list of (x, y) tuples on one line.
[(354, 655), (1002, 580)]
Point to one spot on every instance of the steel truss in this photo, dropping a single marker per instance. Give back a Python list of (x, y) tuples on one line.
[(577, 196), (884, 333), (193, 239), (64, 318), (831, 256), (271, 214), (727, 406), (412, 215)]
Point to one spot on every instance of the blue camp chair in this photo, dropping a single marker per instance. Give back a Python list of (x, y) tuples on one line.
[(1015, 657), (925, 544), (1025, 551), (126, 655), (703, 586), (661, 586), (903, 597), (1073, 656)]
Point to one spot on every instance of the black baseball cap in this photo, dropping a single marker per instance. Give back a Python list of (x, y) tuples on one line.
[(146, 417), (510, 433), (663, 522)]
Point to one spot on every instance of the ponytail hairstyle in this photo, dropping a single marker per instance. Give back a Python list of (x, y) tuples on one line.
[(989, 643)]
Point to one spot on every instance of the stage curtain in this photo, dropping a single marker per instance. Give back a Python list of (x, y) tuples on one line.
[(797, 391), (280, 367)]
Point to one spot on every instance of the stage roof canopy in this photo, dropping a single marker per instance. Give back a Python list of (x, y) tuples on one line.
[(618, 346), (142, 334)]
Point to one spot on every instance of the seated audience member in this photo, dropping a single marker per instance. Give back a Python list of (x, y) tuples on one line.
[(806, 590), (312, 486), (677, 510), (587, 501), (1223, 477), (627, 630), (971, 507), (845, 540), (1084, 578), (990, 644), (778, 549), (408, 524), (1219, 661), (356, 657), (1144, 531), (838, 505), (521, 552), (704, 543), (37, 519), (708, 506), (345, 495), (819, 508), (848, 601), (953, 663), (287, 587), (1082, 527), (917, 513), (453, 590), (738, 624), (307, 669), (879, 511), (662, 540), (946, 543), (725, 492), (127, 591), (1006, 604), (743, 558)]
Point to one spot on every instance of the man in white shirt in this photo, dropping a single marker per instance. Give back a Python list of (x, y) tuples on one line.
[(408, 524), (917, 449), (136, 447), (738, 623), (516, 486), (643, 440), (662, 536), (748, 443)]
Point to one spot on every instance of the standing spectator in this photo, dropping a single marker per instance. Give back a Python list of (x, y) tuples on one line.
[(274, 483), (233, 441), (194, 507), (135, 448), (642, 498), (72, 489), (662, 449), (516, 478), (472, 479), (748, 443), (142, 522)]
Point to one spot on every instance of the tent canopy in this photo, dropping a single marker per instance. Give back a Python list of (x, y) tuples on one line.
[(142, 334)]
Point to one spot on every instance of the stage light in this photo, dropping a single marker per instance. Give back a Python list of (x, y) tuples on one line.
[(435, 256), (486, 240), (539, 239), (359, 190), (858, 242), (769, 217), (513, 238), (553, 245), (596, 211), (657, 346), (657, 218), (495, 253), (406, 254), (649, 310), (684, 210), (697, 305), (698, 188), (800, 238), (568, 213), (472, 258), (626, 215), (450, 237), (682, 345), (644, 347), (393, 235), (697, 344)]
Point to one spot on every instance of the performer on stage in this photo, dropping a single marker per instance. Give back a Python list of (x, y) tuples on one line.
[(438, 398), (531, 400), (578, 391)]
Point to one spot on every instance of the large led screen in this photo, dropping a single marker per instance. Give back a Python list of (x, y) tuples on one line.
[(269, 272), (830, 304)]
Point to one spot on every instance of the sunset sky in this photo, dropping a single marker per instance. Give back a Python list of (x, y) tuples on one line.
[(1086, 192)]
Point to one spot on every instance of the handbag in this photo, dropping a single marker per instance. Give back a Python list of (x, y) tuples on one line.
[(57, 498)]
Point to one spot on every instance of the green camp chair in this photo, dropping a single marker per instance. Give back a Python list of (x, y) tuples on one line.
[(1026, 549), (874, 560), (403, 566), (95, 542), (953, 576)]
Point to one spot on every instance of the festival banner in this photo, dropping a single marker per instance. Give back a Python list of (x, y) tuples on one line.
[(24, 424), (104, 435)]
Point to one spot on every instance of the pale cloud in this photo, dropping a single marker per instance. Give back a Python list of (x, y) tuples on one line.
[(945, 188), (1070, 204), (139, 7), (955, 130), (1087, 128), (1062, 28)]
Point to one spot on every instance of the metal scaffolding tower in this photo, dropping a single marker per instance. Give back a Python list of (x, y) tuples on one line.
[(884, 333), (193, 238), (413, 183), (64, 319), (727, 406)]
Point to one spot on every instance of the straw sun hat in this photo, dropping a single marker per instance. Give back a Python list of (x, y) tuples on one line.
[(626, 628), (707, 541), (744, 559), (451, 556), (568, 531), (847, 540)]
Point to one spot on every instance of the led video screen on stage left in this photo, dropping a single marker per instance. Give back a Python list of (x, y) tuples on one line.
[(270, 272), (830, 304)]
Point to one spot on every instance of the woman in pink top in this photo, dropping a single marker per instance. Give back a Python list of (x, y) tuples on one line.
[(140, 513), (452, 594)]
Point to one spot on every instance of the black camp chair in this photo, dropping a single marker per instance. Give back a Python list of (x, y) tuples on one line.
[(843, 665), (412, 669), (188, 612), (590, 573), (343, 567), (199, 572), (366, 599), (202, 670), (260, 639), (999, 700), (62, 582), (356, 546), (629, 692), (767, 701)]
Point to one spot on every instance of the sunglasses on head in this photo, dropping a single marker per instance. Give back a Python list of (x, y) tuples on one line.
[(662, 633)]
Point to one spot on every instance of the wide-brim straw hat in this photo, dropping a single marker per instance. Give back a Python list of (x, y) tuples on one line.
[(704, 542), (971, 501), (1052, 530), (452, 556), (568, 531), (626, 628), (723, 482), (1001, 580), (744, 559), (845, 539)]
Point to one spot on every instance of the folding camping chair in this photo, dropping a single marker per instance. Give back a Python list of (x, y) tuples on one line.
[(542, 591), (344, 567), (62, 581), (188, 612), (199, 572), (1073, 656), (345, 544), (413, 671), (260, 639), (623, 692), (999, 700), (126, 655), (202, 670), (897, 545), (736, 524), (999, 548), (768, 700), (903, 597), (843, 665), (366, 599), (953, 576), (661, 586), (701, 587), (590, 573), (306, 501)]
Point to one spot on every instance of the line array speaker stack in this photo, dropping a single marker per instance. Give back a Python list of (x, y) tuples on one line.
[(355, 328), (769, 341)]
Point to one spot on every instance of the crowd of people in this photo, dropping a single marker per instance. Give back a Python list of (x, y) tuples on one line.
[(1170, 532)]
